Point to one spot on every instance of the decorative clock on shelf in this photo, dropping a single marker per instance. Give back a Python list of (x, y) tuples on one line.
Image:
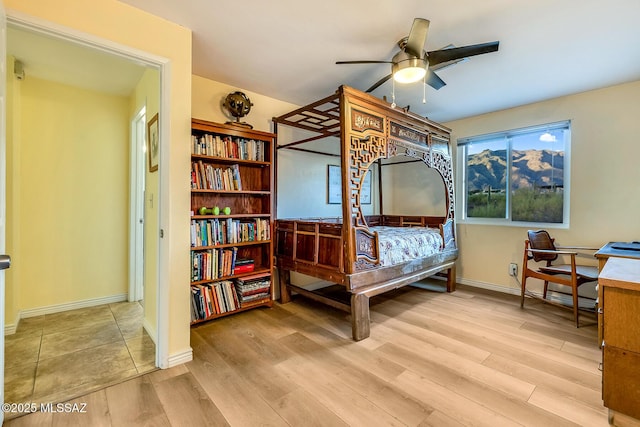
[(238, 105)]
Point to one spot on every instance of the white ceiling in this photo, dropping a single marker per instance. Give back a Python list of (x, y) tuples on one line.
[(286, 49), (55, 59)]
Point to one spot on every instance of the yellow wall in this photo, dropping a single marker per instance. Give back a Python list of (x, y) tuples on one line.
[(128, 26), (604, 178), (207, 97), (73, 178)]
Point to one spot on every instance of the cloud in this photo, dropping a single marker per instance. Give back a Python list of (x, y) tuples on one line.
[(547, 137)]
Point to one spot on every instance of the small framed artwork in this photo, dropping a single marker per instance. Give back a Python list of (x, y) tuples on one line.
[(334, 187), (153, 143), (365, 194)]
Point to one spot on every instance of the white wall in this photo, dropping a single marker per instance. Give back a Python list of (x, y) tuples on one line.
[(413, 189), (605, 196), (302, 185)]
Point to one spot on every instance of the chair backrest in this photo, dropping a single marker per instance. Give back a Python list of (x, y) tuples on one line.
[(541, 240)]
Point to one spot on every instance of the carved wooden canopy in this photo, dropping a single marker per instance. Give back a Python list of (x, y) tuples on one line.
[(369, 130)]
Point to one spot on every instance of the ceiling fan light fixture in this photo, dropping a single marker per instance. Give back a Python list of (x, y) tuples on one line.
[(409, 70)]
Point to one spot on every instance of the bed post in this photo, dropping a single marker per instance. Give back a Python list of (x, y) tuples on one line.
[(285, 293), (451, 278), (347, 219), (380, 211), (274, 177), (360, 316)]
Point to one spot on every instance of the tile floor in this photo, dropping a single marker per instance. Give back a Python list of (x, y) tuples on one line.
[(54, 357)]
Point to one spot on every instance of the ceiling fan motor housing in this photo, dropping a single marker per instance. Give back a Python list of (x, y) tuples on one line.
[(407, 68)]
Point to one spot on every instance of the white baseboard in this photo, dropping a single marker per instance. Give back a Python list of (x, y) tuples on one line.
[(583, 302), (11, 328), (178, 359), (488, 286), (58, 308)]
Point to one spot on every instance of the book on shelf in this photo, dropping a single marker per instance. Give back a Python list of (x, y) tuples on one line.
[(213, 264), (228, 147), (205, 176), (212, 299), (253, 288), (224, 296), (221, 231), (244, 266)]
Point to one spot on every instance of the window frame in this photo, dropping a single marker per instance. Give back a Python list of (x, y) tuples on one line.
[(461, 154)]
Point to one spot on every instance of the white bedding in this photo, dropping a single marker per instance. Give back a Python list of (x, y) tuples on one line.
[(401, 244)]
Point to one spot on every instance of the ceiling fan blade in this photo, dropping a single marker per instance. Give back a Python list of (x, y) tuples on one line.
[(433, 80), (377, 84), (363, 62), (443, 65), (444, 55), (417, 37)]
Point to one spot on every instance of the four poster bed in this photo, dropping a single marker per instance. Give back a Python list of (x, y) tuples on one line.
[(367, 255)]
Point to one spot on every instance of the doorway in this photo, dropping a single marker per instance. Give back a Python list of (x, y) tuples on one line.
[(136, 202), (35, 299)]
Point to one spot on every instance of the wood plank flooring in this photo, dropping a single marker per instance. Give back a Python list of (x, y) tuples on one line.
[(470, 358)]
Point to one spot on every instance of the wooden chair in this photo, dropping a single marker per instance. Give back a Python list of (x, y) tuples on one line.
[(540, 247)]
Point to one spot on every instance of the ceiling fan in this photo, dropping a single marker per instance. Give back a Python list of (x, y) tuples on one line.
[(412, 63)]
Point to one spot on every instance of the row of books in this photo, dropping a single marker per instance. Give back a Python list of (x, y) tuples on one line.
[(206, 177), (213, 264), (213, 298), (215, 231), (251, 289), (228, 295), (226, 146)]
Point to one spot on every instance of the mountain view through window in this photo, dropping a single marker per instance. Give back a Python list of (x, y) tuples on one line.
[(533, 191)]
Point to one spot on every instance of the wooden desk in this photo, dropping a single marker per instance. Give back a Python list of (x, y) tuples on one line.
[(604, 253), (609, 251), (619, 283)]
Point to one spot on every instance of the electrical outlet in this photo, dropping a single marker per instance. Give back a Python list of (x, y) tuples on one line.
[(513, 269)]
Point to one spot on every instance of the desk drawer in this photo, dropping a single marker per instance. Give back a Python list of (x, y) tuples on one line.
[(621, 311), (621, 380)]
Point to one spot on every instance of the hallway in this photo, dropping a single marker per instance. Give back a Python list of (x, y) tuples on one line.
[(55, 357)]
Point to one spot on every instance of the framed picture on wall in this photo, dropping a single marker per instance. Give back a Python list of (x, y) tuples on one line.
[(365, 194), (334, 187), (153, 141)]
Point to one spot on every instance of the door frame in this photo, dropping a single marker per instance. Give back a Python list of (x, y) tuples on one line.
[(136, 205), (3, 182), (163, 65)]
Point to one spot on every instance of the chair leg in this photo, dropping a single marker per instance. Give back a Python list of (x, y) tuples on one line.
[(575, 305), (523, 289), (545, 289)]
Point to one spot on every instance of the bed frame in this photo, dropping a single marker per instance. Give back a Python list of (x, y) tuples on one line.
[(346, 252)]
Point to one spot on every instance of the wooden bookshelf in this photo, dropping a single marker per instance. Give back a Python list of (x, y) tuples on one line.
[(231, 167)]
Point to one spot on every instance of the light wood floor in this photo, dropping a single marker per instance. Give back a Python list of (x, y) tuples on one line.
[(433, 359)]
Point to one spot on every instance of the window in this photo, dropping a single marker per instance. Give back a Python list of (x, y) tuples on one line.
[(537, 188)]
